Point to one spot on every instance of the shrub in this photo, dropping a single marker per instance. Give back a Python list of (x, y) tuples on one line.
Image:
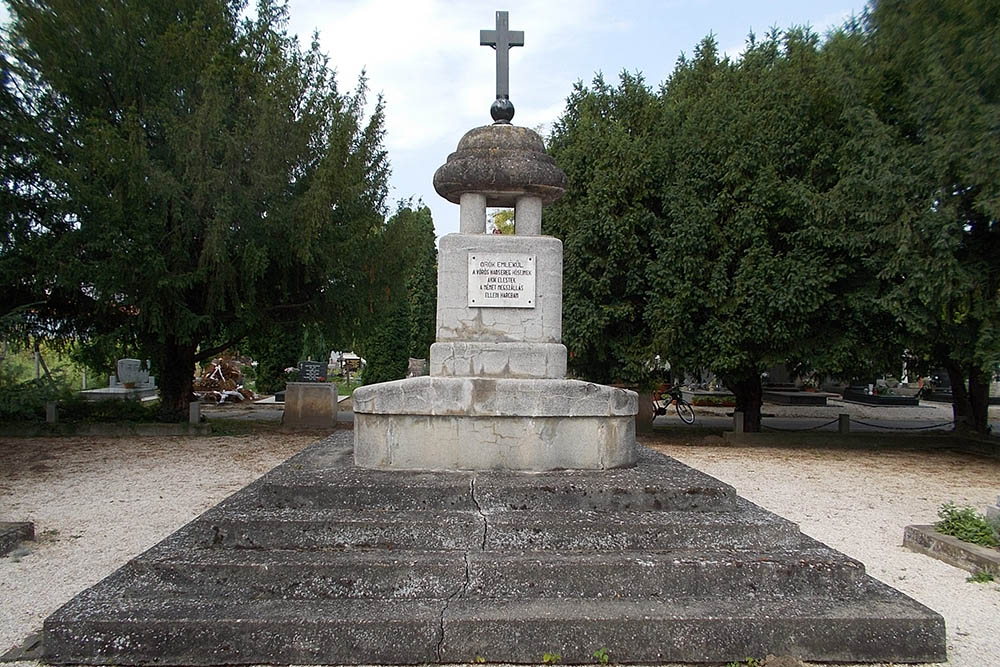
[(966, 524)]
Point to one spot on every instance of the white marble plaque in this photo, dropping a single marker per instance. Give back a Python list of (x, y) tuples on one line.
[(501, 280)]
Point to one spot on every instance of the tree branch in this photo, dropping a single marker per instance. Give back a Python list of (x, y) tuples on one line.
[(212, 351)]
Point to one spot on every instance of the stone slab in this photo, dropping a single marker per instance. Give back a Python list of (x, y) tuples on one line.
[(637, 489), (12, 532), (118, 393), (489, 359), (427, 442), (812, 570), (207, 631), (970, 557), (748, 528), (793, 397), (310, 405), (249, 574), (882, 400), (340, 529), (457, 321), (494, 397), (690, 630)]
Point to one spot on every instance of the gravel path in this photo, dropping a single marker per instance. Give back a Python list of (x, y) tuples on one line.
[(858, 501), (97, 502)]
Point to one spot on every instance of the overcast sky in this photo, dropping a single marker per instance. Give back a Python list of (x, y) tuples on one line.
[(424, 57)]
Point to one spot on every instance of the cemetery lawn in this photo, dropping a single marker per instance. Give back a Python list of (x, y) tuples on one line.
[(97, 502)]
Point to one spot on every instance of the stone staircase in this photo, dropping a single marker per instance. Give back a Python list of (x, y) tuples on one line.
[(321, 562)]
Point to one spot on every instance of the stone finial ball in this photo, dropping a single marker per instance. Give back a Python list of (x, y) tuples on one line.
[(503, 162), (502, 110)]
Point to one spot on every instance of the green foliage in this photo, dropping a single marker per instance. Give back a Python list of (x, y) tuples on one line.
[(755, 264), (275, 349), (502, 221), (195, 177), (551, 658), (403, 305), (421, 284), (966, 524), (344, 388), (981, 577), (704, 224), (748, 662), (386, 346), (25, 401), (109, 411), (602, 656), (934, 91), (607, 141)]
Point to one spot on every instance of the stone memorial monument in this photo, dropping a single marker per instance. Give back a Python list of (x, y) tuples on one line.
[(497, 396), (312, 401), (493, 511)]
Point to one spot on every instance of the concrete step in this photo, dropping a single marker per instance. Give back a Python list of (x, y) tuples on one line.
[(297, 575), (749, 577), (666, 487), (368, 490), (339, 529), (811, 569), (111, 628), (655, 564), (749, 527), (886, 626), (180, 631)]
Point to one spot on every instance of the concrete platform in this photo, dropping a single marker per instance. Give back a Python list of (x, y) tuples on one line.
[(322, 562), (486, 423)]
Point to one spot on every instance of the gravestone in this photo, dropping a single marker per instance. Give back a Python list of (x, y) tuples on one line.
[(499, 554), (130, 381), (312, 371)]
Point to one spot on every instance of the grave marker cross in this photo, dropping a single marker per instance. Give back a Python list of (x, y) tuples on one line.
[(502, 39)]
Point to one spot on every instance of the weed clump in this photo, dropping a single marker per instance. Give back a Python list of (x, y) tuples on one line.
[(966, 524)]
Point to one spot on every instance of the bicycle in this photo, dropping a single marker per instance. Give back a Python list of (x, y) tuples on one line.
[(683, 408)]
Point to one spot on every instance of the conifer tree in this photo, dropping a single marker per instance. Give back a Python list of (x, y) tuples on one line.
[(204, 176)]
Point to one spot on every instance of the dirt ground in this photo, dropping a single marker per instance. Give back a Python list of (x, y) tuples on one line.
[(97, 502)]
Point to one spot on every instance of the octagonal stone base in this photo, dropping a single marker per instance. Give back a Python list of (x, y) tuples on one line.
[(442, 423)]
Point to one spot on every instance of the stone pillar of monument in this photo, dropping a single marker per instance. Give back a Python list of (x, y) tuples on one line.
[(497, 396)]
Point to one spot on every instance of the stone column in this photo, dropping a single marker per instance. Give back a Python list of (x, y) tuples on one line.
[(472, 213), (528, 216)]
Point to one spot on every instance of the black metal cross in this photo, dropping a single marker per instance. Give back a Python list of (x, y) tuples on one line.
[(502, 39)]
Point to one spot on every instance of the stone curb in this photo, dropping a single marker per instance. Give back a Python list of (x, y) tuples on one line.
[(112, 429), (970, 557)]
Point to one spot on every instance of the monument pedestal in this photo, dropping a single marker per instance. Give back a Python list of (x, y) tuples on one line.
[(445, 423), (310, 405)]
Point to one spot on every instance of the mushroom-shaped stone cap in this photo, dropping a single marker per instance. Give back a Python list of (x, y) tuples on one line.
[(503, 162)]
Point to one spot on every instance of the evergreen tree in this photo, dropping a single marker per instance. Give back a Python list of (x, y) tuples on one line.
[(934, 85), (754, 265), (403, 301), (203, 176), (607, 142)]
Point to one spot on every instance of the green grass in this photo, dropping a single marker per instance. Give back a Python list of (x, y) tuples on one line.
[(981, 578), (343, 389)]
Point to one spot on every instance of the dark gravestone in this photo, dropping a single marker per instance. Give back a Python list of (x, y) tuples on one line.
[(312, 371)]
